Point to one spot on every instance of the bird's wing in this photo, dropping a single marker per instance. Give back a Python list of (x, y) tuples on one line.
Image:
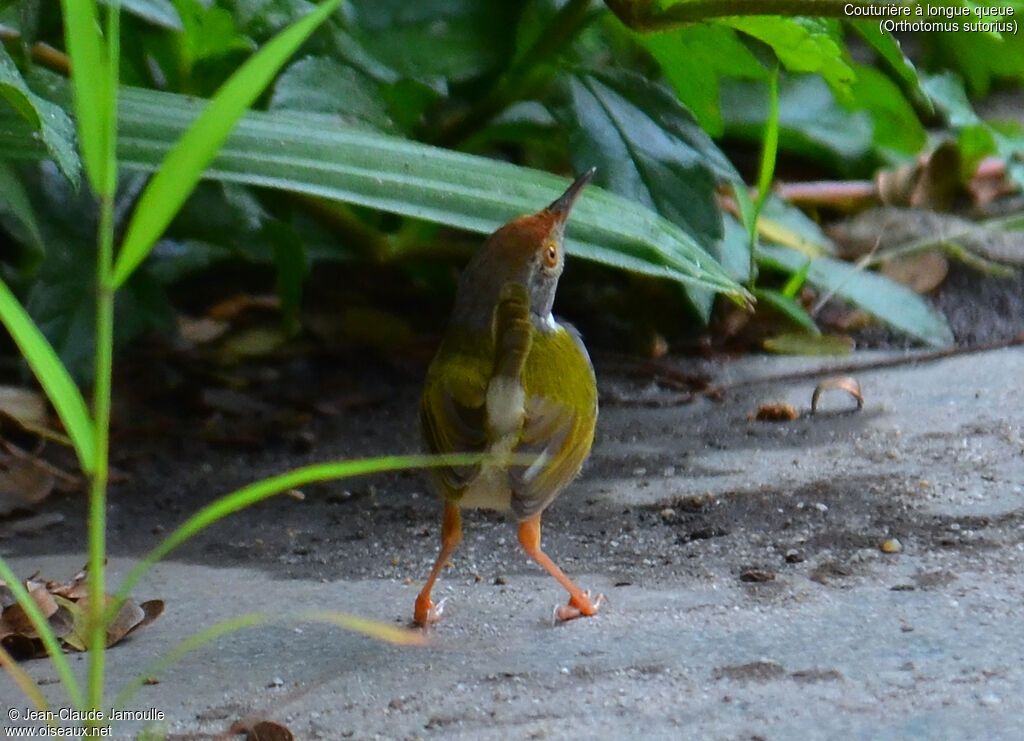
[(453, 417), (559, 420)]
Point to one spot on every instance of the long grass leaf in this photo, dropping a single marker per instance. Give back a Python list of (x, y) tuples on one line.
[(372, 628), (25, 683), (52, 376), (184, 165), (266, 488), (90, 79)]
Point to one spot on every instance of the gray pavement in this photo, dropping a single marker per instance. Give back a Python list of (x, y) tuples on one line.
[(835, 640)]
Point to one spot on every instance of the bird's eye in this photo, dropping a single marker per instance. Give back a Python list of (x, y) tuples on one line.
[(551, 255)]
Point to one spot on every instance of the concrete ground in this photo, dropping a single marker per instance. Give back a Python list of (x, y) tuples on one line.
[(748, 592)]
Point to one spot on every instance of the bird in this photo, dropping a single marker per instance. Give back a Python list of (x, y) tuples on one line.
[(509, 379)]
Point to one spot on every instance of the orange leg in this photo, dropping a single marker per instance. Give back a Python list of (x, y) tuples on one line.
[(426, 612), (579, 601)]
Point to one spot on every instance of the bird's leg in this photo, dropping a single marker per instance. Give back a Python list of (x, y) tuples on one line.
[(579, 601), (426, 612)]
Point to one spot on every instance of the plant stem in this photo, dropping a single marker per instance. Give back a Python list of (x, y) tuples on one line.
[(98, 485), (104, 351), (521, 77)]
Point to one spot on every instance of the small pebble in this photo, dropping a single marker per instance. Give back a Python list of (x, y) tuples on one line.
[(794, 556), (668, 514), (892, 545), (756, 575)]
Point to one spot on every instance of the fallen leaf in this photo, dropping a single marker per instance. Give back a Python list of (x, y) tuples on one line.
[(23, 483), (843, 383), (776, 412), (262, 730), (920, 273), (24, 406), (803, 343)]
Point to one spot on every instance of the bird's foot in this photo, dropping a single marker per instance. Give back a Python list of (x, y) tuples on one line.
[(579, 607), (426, 612)]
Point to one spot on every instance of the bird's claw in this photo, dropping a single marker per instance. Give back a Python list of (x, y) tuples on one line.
[(579, 608), (427, 613)]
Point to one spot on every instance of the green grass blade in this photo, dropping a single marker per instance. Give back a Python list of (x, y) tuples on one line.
[(266, 488), (42, 627), (372, 628), (94, 101), (52, 376), (185, 163)]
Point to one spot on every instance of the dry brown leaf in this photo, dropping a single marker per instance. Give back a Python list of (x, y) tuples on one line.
[(65, 605), (27, 407), (201, 331), (24, 482), (261, 730), (775, 412), (843, 383), (932, 182), (921, 273)]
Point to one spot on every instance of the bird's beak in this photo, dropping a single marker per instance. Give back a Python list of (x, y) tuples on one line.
[(563, 204)]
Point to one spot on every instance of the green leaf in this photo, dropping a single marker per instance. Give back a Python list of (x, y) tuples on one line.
[(890, 302), (982, 59), (817, 345), (802, 44), (896, 125), (185, 163), (436, 41), (296, 152), (290, 260), (16, 199), (785, 224), (52, 376), (788, 307), (646, 147), (94, 95), (811, 122), (49, 119), (694, 58), (158, 12), (322, 85), (209, 32), (890, 51)]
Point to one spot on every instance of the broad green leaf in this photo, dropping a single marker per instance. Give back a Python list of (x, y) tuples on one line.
[(297, 152), (158, 12), (784, 224), (646, 147), (181, 170), (890, 302), (209, 32), (52, 376), (436, 41), (982, 59), (788, 307), (322, 85), (802, 44), (896, 125), (890, 51), (290, 260), (55, 128), (694, 58), (94, 96), (810, 120), (16, 200)]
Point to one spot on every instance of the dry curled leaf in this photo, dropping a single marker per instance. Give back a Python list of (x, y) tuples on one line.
[(843, 383), (262, 730), (775, 412), (65, 606)]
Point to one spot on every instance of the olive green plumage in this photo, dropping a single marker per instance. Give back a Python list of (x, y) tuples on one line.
[(508, 377)]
